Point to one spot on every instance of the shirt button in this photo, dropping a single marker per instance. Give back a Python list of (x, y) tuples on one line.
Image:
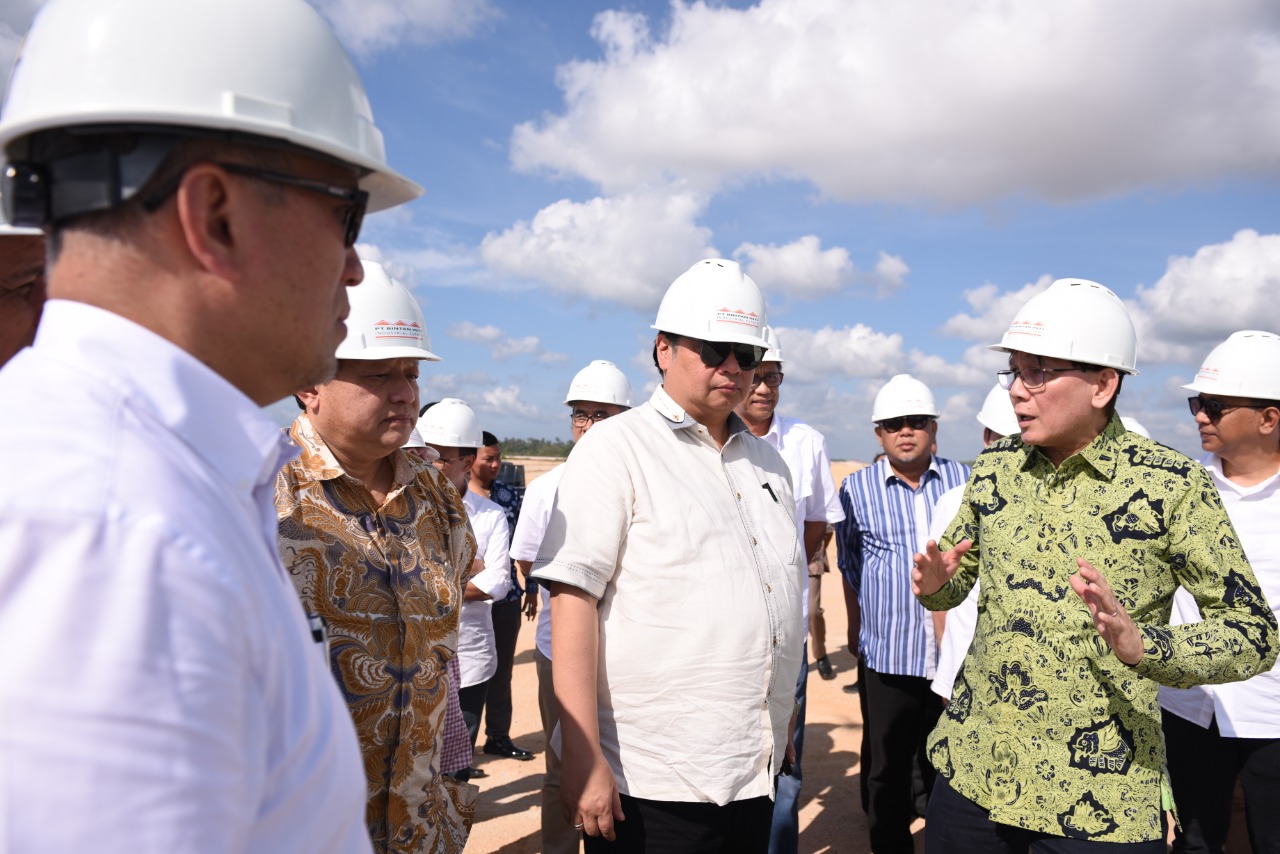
[(768, 588), (754, 542), (739, 495)]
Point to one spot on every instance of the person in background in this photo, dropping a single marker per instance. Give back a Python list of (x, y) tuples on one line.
[(161, 689), (377, 546), (817, 506), (888, 508), (22, 288), (1216, 735), (1080, 532), (506, 611), (597, 392)]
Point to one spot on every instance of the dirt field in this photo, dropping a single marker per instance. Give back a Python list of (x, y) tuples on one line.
[(830, 819)]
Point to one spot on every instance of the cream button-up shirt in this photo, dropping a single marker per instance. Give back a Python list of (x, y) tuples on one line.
[(693, 552)]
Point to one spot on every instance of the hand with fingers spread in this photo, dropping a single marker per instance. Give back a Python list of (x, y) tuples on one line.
[(1111, 620), (589, 794), (932, 569)]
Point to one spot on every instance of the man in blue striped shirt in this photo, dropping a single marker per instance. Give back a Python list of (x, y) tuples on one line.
[(887, 509)]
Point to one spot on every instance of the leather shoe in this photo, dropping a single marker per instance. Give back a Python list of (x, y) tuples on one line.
[(851, 688), (825, 670), (505, 747)]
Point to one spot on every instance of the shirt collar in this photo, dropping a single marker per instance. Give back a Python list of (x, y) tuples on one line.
[(887, 475), (678, 419), (1102, 454), (319, 463), (222, 426)]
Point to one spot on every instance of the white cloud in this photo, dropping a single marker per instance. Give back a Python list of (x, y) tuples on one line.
[(505, 400), (802, 268), (854, 351), (956, 102), (1200, 300), (368, 26), (992, 309), (468, 331), (934, 370), (626, 248)]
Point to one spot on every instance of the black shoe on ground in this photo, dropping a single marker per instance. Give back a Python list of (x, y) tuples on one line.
[(851, 688), (505, 747), (825, 670), (466, 774)]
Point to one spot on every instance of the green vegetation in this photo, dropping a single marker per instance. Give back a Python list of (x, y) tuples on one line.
[(535, 447)]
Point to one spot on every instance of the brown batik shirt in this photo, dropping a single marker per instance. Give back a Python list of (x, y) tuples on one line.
[(388, 582)]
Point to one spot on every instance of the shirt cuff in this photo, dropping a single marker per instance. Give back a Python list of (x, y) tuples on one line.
[(574, 575)]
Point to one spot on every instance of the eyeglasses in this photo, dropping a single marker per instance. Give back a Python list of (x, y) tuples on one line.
[(772, 380), (442, 461), (581, 418), (351, 214), (1034, 377), (1215, 409), (915, 422), (714, 354)]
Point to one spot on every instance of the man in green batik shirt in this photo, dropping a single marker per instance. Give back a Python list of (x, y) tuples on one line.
[(1080, 533)]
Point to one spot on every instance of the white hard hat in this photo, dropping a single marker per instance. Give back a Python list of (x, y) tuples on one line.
[(7, 230), (451, 424), (1133, 425), (903, 395), (714, 301), (385, 321), (271, 69), (1078, 320), (1247, 364), (600, 382), (997, 412), (774, 353), (414, 440)]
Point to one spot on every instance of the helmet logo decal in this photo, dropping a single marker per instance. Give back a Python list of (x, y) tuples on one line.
[(1209, 374), (739, 317), (1026, 327), (400, 329)]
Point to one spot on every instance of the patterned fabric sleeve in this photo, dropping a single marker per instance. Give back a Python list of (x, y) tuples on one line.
[(1237, 637)]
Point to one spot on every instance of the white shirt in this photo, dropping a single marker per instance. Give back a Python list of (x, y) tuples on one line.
[(477, 651), (160, 689), (535, 512), (805, 452), (693, 552), (1248, 709), (963, 618)]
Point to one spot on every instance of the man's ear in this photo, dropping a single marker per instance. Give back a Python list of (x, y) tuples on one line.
[(1105, 387), (663, 352), (310, 397), (212, 213)]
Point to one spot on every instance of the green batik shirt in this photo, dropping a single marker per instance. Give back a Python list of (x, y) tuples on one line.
[(1046, 728)]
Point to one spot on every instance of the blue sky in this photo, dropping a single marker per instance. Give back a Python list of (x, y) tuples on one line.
[(897, 177)]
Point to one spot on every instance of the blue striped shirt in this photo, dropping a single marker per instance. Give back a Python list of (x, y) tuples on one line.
[(885, 523)]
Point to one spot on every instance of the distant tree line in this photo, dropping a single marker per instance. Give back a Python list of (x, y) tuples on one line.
[(532, 447)]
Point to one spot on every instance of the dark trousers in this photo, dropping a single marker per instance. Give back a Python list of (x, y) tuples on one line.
[(679, 827), (471, 701), (956, 825), (899, 713), (784, 836), (1203, 766), (506, 628)]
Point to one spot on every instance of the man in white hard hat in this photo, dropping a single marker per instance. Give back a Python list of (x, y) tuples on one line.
[(598, 391), (378, 547), (1080, 533), (506, 611), (201, 206), (888, 507), (21, 287), (451, 429), (817, 504), (954, 628), (1215, 735), (673, 542)]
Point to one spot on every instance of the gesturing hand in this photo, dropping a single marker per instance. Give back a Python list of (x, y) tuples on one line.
[(1111, 620), (931, 570)]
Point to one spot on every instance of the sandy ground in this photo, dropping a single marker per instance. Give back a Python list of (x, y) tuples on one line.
[(507, 819)]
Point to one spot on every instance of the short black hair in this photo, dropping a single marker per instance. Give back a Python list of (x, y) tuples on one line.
[(489, 439), (672, 338), (425, 407)]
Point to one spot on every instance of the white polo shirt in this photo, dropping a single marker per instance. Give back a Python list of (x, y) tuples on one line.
[(1248, 709), (160, 689), (695, 556), (477, 650), (535, 512)]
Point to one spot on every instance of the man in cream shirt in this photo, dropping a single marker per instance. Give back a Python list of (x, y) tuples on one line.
[(673, 539)]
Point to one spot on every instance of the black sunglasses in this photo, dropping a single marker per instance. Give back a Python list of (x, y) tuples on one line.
[(1215, 409), (714, 354), (916, 422), (351, 214)]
